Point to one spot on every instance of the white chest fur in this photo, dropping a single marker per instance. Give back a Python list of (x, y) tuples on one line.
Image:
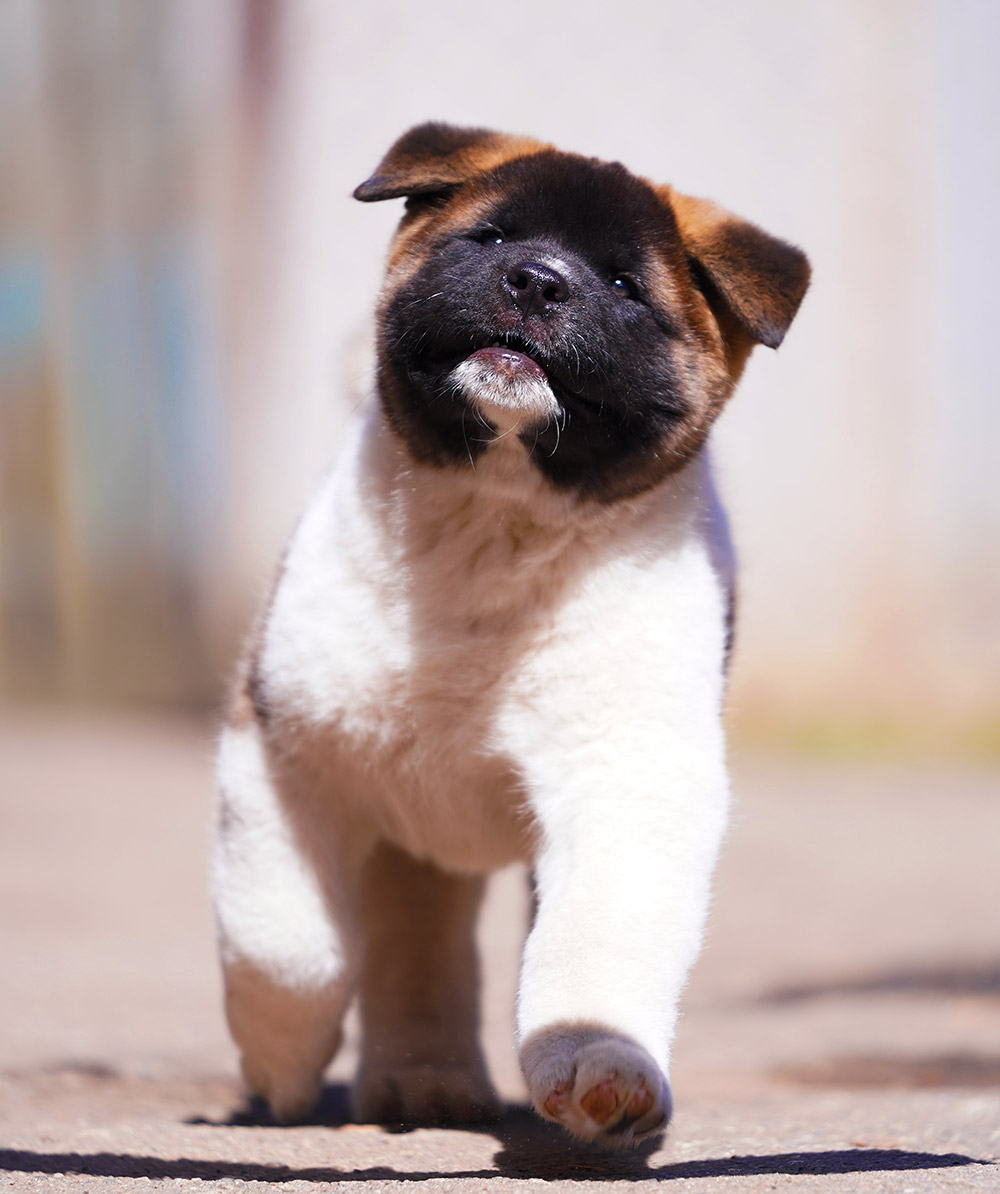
[(443, 632)]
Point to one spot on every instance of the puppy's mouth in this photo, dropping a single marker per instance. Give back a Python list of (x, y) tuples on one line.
[(511, 363), (445, 357), (505, 384), (514, 361)]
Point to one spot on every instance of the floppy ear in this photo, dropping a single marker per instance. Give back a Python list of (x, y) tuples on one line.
[(759, 279), (432, 158)]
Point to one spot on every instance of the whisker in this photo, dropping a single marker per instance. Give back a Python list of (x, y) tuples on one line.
[(555, 423), (465, 437)]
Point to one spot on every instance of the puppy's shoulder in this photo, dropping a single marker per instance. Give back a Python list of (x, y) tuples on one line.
[(332, 628)]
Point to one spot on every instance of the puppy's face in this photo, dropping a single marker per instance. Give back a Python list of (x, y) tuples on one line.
[(564, 301)]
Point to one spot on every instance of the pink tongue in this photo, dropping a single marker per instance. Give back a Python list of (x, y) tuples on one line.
[(508, 361)]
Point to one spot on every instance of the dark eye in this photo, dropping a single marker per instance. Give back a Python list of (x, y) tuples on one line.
[(488, 236), (625, 287)]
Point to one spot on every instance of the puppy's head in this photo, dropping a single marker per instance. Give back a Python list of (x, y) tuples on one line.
[(599, 318)]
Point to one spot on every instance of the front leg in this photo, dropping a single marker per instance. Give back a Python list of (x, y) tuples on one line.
[(629, 841), (615, 722)]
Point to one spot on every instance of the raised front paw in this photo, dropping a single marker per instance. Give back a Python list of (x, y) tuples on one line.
[(599, 1084), (428, 1093)]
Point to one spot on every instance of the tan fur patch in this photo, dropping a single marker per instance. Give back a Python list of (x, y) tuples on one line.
[(760, 279), (431, 158)]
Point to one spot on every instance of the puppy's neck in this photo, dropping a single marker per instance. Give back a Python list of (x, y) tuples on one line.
[(502, 496), (500, 483)]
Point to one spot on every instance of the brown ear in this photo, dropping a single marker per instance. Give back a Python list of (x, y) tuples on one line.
[(759, 279), (431, 158)]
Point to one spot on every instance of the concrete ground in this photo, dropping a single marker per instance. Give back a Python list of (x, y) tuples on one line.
[(841, 1031)]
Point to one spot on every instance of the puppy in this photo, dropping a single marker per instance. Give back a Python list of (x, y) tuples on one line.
[(500, 633)]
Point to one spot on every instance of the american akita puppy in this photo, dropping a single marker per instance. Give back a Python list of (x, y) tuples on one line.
[(500, 632)]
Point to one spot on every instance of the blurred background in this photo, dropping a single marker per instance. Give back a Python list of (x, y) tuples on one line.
[(185, 286)]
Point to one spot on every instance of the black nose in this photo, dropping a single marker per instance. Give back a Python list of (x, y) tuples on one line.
[(535, 288)]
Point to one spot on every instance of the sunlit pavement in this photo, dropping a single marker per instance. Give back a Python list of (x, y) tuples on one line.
[(841, 1032)]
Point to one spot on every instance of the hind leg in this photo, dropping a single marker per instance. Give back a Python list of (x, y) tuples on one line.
[(284, 881), (421, 1061)]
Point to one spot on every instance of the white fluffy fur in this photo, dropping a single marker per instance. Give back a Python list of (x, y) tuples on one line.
[(480, 669)]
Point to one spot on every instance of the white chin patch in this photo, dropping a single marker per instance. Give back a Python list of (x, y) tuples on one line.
[(509, 395)]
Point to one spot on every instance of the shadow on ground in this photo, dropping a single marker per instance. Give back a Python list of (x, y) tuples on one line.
[(830, 1162), (528, 1148), (981, 980), (940, 1071)]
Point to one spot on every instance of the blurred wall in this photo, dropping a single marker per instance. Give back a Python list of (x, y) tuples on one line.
[(184, 287), (118, 126)]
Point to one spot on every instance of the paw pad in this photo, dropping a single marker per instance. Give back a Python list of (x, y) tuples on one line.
[(556, 1102), (641, 1103), (601, 1101), (598, 1084)]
